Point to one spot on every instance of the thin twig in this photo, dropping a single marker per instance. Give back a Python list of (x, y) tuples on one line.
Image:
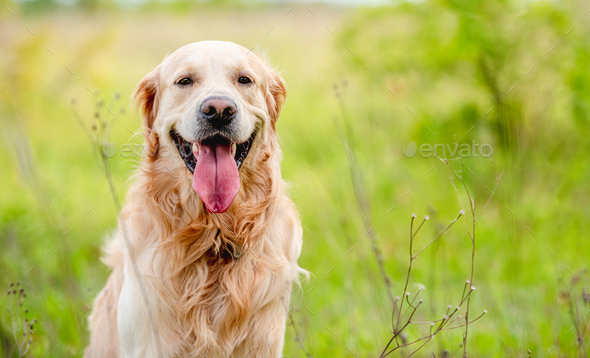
[(298, 338)]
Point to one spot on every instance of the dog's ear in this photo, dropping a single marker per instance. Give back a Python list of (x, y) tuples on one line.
[(147, 97), (275, 94)]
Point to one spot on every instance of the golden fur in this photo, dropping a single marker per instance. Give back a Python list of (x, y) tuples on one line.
[(175, 289)]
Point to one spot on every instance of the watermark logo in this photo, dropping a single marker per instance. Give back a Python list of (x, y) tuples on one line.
[(135, 151), (109, 150), (410, 150), (456, 150)]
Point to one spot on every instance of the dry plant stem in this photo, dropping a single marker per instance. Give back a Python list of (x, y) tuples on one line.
[(439, 235), (364, 208), (464, 324), (16, 321), (464, 297), (298, 338), (471, 234), (575, 316), (401, 306), (397, 330), (363, 205), (440, 328)]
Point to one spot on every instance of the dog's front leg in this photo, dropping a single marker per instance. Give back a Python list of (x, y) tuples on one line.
[(138, 334)]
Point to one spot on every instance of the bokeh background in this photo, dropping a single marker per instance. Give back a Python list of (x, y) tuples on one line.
[(363, 78)]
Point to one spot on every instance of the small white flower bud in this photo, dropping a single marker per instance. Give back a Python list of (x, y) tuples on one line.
[(450, 306), (468, 282), (472, 288), (407, 293), (485, 311), (426, 217), (462, 212), (414, 215)]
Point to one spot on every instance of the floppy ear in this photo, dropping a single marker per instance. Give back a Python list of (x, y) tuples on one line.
[(276, 93), (147, 97)]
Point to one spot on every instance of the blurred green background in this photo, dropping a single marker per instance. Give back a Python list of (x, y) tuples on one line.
[(512, 74)]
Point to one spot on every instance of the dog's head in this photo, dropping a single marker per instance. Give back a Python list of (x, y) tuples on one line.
[(216, 102)]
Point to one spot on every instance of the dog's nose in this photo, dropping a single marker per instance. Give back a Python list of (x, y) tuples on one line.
[(219, 111)]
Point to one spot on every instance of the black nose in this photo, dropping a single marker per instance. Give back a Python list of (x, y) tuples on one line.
[(219, 111)]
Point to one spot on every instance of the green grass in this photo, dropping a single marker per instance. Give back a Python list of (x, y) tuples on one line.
[(428, 58)]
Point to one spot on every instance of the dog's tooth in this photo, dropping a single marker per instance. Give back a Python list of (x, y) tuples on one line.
[(233, 149), (196, 148)]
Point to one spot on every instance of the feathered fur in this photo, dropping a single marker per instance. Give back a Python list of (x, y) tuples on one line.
[(176, 290)]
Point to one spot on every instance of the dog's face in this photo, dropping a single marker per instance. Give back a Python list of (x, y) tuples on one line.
[(214, 101)]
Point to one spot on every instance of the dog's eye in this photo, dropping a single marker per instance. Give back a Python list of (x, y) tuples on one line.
[(184, 81), (244, 80)]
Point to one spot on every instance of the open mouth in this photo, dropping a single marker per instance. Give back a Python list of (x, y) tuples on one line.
[(214, 163), (185, 148)]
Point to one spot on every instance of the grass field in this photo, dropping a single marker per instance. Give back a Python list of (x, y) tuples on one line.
[(385, 78)]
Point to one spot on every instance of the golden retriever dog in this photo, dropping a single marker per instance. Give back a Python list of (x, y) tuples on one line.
[(206, 249)]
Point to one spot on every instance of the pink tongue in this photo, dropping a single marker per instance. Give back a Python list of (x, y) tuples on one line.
[(216, 178)]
